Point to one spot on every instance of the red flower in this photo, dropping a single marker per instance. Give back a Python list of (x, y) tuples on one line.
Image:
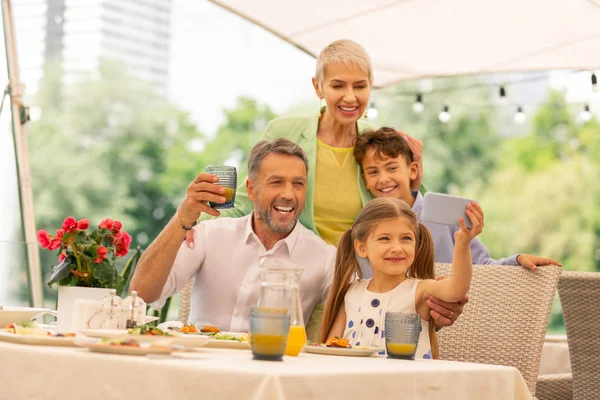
[(102, 252), (43, 238), (69, 225), (60, 233), (61, 257), (122, 242), (117, 227), (98, 260), (107, 223), (83, 223), (55, 244)]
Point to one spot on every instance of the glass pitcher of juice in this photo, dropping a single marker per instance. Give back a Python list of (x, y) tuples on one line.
[(297, 336), (275, 291), (280, 291)]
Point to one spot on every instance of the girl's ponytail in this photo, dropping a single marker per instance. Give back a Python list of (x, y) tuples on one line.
[(424, 268), (346, 266)]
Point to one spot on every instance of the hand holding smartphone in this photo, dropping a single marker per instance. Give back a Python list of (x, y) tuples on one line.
[(445, 209)]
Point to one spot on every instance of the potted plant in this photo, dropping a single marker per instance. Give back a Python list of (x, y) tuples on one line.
[(86, 268)]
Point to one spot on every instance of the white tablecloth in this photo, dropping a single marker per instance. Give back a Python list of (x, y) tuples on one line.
[(555, 356), (33, 372)]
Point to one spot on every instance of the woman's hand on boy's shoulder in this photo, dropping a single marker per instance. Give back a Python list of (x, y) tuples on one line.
[(475, 214), (416, 147), (531, 262)]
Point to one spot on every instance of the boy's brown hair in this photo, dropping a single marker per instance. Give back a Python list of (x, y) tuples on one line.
[(385, 141)]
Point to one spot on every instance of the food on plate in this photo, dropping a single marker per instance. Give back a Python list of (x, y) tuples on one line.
[(147, 330), (128, 343), (34, 329), (338, 342), (238, 337), (209, 328), (189, 329)]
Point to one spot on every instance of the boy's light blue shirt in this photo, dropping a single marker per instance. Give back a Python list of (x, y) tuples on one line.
[(443, 243)]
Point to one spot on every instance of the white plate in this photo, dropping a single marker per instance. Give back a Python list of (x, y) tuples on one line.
[(176, 339), (19, 315), (129, 350), (227, 344), (339, 351), (37, 340)]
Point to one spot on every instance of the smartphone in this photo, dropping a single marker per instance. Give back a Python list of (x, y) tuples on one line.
[(445, 209)]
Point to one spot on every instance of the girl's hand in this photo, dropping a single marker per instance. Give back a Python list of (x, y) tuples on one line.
[(475, 214)]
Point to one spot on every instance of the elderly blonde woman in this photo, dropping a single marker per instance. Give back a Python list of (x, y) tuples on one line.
[(335, 191)]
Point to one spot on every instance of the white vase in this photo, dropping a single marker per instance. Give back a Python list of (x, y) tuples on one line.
[(67, 295)]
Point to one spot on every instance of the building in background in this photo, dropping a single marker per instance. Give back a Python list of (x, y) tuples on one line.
[(77, 35)]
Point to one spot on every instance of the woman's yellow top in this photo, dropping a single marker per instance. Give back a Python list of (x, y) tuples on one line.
[(337, 195)]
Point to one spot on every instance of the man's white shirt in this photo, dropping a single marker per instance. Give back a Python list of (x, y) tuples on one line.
[(225, 261)]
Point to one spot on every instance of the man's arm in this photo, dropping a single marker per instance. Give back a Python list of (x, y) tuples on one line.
[(156, 262)]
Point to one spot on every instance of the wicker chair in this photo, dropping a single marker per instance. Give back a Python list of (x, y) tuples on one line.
[(505, 321), (184, 301), (579, 293), (554, 387)]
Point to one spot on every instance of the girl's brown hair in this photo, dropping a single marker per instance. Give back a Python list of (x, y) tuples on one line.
[(347, 267)]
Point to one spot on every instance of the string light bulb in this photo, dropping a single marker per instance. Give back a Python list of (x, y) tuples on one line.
[(520, 116), (372, 111), (594, 83), (585, 114), (503, 98), (418, 106), (445, 116)]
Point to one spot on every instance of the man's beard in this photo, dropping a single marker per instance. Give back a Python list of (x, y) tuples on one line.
[(265, 215)]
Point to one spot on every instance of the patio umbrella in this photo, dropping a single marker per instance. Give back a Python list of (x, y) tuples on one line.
[(411, 39)]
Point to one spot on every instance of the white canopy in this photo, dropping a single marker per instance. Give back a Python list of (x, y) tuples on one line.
[(410, 39)]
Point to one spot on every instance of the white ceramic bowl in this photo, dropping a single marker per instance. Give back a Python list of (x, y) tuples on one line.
[(18, 315)]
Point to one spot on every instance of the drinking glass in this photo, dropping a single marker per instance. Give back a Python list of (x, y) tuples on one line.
[(228, 179), (269, 333), (402, 334)]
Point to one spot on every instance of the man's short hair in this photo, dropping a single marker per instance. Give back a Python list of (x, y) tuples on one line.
[(277, 146), (385, 141)]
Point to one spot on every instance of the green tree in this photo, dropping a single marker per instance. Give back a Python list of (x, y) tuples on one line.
[(103, 149), (456, 153), (544, 198), (241, 130)]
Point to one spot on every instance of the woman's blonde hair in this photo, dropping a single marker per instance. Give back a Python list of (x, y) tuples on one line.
[(343, 51), (347, 267)]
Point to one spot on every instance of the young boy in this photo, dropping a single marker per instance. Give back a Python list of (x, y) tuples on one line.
[(388, 168)]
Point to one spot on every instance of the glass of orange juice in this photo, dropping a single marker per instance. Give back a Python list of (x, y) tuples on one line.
[(228, 180), (402, 334), (269, 328)]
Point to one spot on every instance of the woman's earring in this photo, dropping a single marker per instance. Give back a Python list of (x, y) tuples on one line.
[(323, 105)]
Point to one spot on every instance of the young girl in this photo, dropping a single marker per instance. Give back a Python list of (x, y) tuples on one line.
[(400, 250)]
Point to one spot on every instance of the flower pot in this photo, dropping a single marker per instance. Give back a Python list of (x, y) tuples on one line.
[(67, 295)]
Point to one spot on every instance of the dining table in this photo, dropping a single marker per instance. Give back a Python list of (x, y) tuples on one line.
[(30, 372)]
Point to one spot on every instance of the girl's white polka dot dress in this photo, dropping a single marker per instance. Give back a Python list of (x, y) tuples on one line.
[(365, 314)]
